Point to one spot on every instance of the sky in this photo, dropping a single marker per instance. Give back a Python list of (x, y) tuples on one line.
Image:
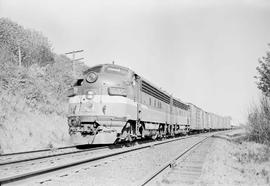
[(201, 51)]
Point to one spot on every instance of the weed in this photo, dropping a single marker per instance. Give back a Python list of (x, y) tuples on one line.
[(50, 145)]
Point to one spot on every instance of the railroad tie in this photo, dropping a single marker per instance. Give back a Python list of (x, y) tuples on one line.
[(189, 169)]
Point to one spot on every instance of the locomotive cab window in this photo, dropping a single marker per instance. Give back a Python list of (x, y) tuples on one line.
[(79, 82)]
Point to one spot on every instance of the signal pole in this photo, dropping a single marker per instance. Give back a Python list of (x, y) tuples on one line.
[(73, 60)]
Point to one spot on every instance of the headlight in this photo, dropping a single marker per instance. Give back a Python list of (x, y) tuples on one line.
[(90, 94), (92, 77), (117, 91), (73, 122)]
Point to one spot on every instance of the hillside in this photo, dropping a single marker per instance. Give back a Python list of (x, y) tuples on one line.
[(33, 85)]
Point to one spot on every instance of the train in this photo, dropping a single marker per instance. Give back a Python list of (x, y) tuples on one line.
[(112, 104)]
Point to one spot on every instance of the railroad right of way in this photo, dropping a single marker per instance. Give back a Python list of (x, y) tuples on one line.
[(118, 167)]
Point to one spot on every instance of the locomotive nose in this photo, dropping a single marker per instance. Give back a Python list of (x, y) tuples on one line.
[(105, 84)]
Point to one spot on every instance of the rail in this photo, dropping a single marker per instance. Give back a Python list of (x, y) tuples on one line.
[(24, 176), (168, 164)]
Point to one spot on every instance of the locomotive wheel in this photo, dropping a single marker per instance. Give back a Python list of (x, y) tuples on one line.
[(161, 131), (154, 137), (142, 131), (127, 131)]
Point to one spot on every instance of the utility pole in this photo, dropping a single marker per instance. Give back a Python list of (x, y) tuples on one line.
[(73, 60), (20, 56)]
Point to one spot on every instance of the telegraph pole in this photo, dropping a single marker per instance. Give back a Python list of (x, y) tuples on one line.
[(73, 60), (20, 56)]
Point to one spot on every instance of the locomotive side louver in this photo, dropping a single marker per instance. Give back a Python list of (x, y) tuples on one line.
[(180, 105), (149, 89)]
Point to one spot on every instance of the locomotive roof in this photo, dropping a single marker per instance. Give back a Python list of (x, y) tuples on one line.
[(193, 105), (157, 87), (114, 65), (165, 92), (102, 65), (152, 84)]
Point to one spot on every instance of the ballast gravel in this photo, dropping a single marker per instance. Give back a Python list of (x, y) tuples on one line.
[(126, 169)]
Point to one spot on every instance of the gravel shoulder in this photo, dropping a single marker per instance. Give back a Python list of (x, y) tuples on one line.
[(233, 161)]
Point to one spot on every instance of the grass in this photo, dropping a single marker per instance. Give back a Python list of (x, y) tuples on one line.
[(258, 127), (259, 155), (254, 160)]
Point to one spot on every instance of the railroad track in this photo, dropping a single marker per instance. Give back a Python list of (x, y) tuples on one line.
[(35, 151), (13, 158), (112, 152), (5, 159), (8, 158), (165, 168), (86, 158)]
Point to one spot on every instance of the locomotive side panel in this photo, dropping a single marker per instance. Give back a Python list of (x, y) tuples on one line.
[(154, 110), (180, 116), (155, 104), (180, 113)]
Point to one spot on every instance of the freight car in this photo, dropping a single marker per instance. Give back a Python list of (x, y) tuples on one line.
[(112, 103), (202, 121)]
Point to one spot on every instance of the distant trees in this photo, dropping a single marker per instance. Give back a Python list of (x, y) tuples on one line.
[(32, 45), (263, 82)]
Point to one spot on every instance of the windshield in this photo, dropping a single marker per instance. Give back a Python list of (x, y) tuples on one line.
[(96, 69)]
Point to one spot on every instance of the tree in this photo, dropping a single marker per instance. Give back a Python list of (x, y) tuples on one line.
[(263, 82), (34, 47)]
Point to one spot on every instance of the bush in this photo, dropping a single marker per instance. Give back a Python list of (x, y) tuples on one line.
[(259, 122), (41, 88)]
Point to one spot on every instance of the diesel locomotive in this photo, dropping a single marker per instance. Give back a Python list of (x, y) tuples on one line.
[(112, 103)]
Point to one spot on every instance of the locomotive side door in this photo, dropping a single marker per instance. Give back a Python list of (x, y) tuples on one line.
[(137, 98)]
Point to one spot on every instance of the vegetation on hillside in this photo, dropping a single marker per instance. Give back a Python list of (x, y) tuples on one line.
[(33, 85)]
